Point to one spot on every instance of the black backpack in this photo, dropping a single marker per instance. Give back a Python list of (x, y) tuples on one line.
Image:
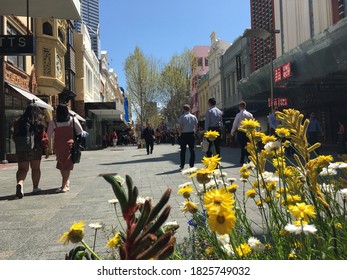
[(25, 137)]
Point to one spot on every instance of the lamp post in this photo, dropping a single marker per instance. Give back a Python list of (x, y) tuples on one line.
[(264, 34)]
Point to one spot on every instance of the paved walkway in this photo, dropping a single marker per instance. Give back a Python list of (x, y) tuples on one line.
[(30, 227)]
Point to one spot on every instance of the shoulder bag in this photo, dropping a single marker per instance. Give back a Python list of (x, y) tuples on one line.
[(76, 148)]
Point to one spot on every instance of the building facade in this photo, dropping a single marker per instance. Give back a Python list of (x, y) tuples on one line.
[(90, 14), (199, 67), (216, 50)]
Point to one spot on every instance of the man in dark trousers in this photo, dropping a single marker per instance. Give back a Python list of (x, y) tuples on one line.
[(241, 136), (188, 125), (148, 135), (213, 122)]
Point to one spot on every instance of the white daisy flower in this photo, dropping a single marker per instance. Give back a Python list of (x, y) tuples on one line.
[(255, 244), (96, 225), (343, 193), (306, 229), (269, 177), (189, 171), (338, 165), (113, 201), (293, 229), (309, 229), (328, 172), (271, 146), (141, 200), (231, 180), (184, 185), (223, 239), (228, 249), (328, 188)]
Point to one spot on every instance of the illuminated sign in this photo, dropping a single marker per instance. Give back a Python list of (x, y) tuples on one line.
[(283, 72), (278, 102)]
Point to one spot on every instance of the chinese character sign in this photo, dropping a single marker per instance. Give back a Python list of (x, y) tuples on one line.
[(278, 74), (282, 72), (286, 70)]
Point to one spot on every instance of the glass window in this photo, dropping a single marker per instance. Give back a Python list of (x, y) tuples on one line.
[(206, 61), (17, 61), (200, 61), (60, 35), (47, 29)]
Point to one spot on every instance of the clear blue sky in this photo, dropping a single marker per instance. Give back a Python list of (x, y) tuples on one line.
[(163, 28)]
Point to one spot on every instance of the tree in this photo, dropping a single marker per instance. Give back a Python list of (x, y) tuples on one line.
[(142, 76), (175, 86)]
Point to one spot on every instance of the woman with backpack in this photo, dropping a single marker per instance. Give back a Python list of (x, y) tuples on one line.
[(31, 142)]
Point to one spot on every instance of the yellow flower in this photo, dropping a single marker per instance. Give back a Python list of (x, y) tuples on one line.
[(259, 203), (75, 234), (202, 175), (338, 225), (243, 250), (291, 199), (232, 188), (211, 135), (292, 256), (211, 162), (185, 191), (114, 241), (218, 200), (268, 138), (258, 136), (223, 222), (283, 232), (190, 207), (282, 132), (249, 125), (209, 250), (245, 175), (251, 193), (302, 211)]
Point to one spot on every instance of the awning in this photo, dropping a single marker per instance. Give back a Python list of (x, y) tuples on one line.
[(74, 114), (31, 97), (60, 9)]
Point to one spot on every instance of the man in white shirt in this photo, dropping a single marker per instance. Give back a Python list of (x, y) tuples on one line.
[(214, 122), (241, 136), (188, 125)]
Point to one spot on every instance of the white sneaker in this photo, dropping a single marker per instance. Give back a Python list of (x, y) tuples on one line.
[(19, 190)]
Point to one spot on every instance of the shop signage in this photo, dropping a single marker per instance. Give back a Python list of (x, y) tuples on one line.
[(278, 102), (17, 45), (282, 72)]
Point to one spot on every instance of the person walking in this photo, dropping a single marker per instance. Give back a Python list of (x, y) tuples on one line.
[(148, 135), (273, 121), (314, 131), (31, 122), (61, 130), (214, 122), (187, 126), (114, 138), (241, 136)]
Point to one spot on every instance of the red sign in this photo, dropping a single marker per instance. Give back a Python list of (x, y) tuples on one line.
[(278, 102), (286, 70), (278, 74), (282, 72)]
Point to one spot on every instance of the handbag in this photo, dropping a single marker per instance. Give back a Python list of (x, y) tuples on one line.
[(204, 145), (76, 148)]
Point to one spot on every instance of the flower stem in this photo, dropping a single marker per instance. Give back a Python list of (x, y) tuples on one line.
[(90, 250)]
